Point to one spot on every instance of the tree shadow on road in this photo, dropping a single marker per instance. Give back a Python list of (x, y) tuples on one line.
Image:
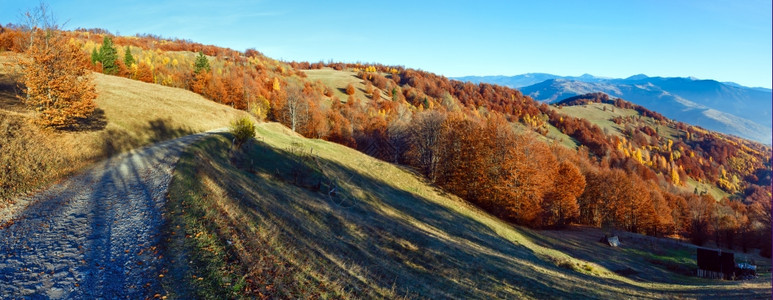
[(115, 141)]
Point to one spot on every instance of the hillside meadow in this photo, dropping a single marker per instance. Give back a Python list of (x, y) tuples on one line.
[(129, 114), (290, 217), (602, 115)]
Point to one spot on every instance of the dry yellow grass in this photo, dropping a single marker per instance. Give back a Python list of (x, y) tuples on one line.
[(338, 80), (143, 111), (387, 233), (131, 114)]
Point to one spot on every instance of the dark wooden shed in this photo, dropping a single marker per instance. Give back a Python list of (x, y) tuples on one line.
[(716, 264)]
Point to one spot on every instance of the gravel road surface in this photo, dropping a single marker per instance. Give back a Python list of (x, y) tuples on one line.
[(94, 235)]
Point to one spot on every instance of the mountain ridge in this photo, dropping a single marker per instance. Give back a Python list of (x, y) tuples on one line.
[(501, 79), (725, 107)]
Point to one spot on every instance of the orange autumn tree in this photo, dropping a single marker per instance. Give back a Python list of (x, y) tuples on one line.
[(462, 170), (56, 80), (144, 73), (525, 178), (560, 204), (200, 81)]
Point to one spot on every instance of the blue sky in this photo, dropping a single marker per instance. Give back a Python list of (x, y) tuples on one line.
[(722, 40)]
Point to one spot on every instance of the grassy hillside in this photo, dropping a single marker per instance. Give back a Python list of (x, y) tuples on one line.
[(143, 113), (602, 114), (130, 114), (264, 223), (338, 81), (599, 114)]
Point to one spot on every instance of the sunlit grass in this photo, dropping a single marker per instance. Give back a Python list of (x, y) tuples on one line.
[(338, 81), (132, 114), (388, 234)]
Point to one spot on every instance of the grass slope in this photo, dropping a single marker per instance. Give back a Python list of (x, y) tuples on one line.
[(338, 81), (602, 115), (269, 228), (145, 113), (130, 114), (597, 113)]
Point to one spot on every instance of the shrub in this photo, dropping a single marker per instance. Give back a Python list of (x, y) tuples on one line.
[(242, 129), (565, 263), (588, 268)]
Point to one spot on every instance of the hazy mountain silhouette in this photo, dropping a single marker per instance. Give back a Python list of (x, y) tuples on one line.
[(722, 106)]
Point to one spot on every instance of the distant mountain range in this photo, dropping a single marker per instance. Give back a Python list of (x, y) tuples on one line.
[(519, 81), (721, 106)]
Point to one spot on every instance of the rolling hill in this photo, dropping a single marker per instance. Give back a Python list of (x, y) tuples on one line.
[(723, 107), (269, 226)]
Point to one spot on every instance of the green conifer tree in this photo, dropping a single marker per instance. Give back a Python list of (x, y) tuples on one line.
[(128, 59), (201, 63), (95, 56), (108, 55)]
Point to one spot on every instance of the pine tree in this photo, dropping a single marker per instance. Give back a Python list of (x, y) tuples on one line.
[(128, 59), (95, 56), (108, 55), (201, 63)]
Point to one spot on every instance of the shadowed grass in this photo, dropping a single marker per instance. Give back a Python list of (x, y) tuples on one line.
[(383, 234)]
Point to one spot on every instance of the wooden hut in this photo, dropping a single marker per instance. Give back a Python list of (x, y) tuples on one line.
[(715, 265)]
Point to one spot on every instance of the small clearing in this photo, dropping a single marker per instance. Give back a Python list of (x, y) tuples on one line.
[(338, 81)]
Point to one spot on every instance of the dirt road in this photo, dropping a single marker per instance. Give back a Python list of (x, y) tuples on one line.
[(94, 235)]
